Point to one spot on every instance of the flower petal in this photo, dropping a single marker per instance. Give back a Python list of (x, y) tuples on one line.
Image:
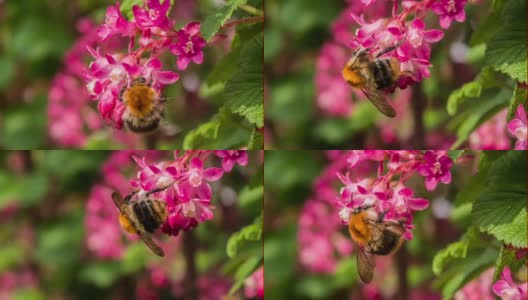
[(213, 174)]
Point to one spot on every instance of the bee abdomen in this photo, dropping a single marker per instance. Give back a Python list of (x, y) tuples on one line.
[(143, 125), (383, 74), (150, 213), (389, 242)]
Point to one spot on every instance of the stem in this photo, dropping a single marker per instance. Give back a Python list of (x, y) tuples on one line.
[(251, 10), (243, 21), (402, 261), (189, 250), (418, 107)]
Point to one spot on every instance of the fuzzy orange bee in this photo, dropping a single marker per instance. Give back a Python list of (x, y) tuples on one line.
[(373, 76), (373, 236), (144, 108)]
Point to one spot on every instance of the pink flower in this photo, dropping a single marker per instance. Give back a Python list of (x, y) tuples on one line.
[(254, 284), (115, 23), (450, 10), (435, 167), (506, 289), (197, 174), (232, 157), (155, 16), (517, 127), (186, 213), (417, 34), (189, 46)]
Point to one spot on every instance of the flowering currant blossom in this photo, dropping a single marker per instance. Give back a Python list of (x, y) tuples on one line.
[(232, 157), (374, 25), (111, 71), (506, 289), (478, 288), (71, 119), (184, 184), (518, 128), (387, 192)]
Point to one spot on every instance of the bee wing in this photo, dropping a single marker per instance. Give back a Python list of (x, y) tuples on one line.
[(365, 265), (378, 99), (150, 243), (119, 202)]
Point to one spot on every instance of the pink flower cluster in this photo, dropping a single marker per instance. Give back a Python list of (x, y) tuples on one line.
[(254, 284), (506, 289), (71, 119), (111, 71), (11, 281), (184, 184), (366, 24), (387, 192)]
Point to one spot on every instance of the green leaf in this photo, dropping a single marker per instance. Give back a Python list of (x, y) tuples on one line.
[(506, 50), (251, 232), (223, 131), (126, 7), (469, 90), (244, 92), (455, 154), (213, 23), (501, 210), (489, 104), (464, 271), (256, 140), (244, 271), (229, 64), (519, 97), (506, 258), (249, 195), (456, 250)]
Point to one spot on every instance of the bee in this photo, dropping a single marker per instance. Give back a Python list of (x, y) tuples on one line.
[(141, 217), (374, 75), (374, 236), (144, 108)]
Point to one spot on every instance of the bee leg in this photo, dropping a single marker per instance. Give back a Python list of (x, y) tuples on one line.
[(129, 196), (381, 216), (391, 48), (157, 190)]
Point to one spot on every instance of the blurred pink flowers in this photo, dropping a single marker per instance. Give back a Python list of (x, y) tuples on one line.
[(491, 135), (518, 128), (111, 71), (254, 284), (506, 289)]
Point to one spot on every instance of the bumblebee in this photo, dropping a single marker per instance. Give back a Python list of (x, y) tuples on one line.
[(373, 76), (374, 236), (144, 108), (141, 217)]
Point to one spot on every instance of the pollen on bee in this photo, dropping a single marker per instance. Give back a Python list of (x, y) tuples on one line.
[(139, 100), (353, 77), (359, 230), (126, 224)]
